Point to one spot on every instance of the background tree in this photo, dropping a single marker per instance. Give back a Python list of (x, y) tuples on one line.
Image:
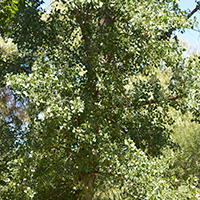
[(98, 110), (12, 113), (186, 130)]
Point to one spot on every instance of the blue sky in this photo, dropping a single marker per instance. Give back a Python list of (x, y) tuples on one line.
[(190, 35), (193, 37)]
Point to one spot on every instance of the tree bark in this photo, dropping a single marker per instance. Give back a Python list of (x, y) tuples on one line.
[(87, 193)]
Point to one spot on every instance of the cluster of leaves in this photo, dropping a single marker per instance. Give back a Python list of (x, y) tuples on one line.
[(8, 8), (96, 104)]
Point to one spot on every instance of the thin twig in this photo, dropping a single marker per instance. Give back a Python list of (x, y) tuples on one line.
[(144, 103)]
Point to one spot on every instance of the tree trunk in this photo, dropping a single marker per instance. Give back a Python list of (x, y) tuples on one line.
[(87, 193)]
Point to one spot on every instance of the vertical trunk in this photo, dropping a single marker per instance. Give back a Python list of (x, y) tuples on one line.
[(88, 180), (87, 193)]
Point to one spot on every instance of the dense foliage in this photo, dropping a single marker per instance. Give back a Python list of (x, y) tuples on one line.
[(8, 8), (187, 134), (96, 81)]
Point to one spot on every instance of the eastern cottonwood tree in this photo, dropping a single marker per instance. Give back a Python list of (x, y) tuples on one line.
[(98, 110)]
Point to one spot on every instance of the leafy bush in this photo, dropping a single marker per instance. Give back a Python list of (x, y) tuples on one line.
[(187, 134), (145, 177), (131, 175)]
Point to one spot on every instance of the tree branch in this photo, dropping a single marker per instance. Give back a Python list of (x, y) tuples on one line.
[(2, 5), (144, 103), (168, 34), (194, 10)]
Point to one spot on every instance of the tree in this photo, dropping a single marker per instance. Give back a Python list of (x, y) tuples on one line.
[(95, 99)]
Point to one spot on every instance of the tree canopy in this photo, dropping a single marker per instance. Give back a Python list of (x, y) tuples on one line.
[(96, 81), (8, 8)]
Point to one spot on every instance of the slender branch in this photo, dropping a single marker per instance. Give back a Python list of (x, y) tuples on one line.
[(194, 10), (144, 103), (2, 5), (168, 33)]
